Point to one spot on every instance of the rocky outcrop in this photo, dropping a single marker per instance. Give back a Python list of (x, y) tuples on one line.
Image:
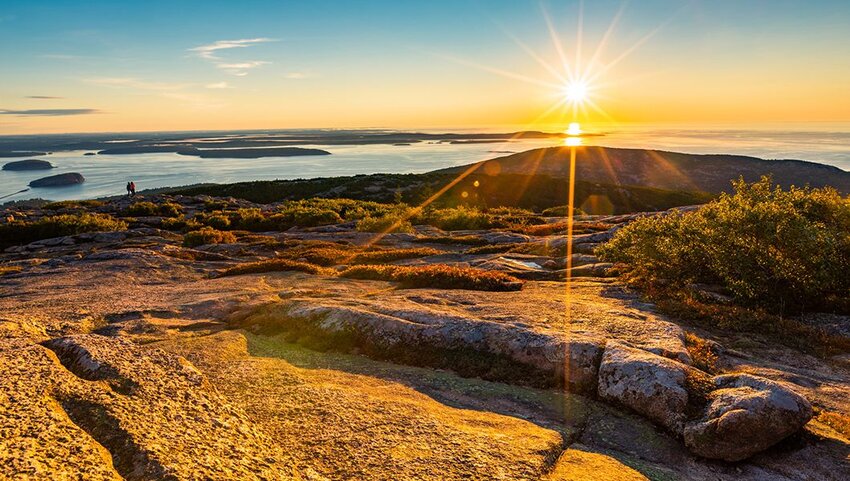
[(746, 415), (651, 385), (59, 180), (29, 164), (111, 409)]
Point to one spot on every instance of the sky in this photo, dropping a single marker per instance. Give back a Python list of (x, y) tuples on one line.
[(109, 66)]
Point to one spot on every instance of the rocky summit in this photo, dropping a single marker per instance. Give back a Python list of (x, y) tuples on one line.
[(182, 337)]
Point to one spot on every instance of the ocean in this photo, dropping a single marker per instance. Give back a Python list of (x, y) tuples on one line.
[(107, 175)]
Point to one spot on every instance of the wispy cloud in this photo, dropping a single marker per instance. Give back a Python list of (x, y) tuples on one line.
[(48, 112), (218, 85), (43, 97), (238, 68), (208, 51)]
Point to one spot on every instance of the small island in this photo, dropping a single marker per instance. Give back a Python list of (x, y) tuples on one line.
[(60, 180), (28, 164)]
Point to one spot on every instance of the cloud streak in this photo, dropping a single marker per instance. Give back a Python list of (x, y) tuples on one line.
[(48, 112), (210, 52), (43, 97)]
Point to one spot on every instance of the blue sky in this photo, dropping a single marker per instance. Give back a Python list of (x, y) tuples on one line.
[(268, 64)]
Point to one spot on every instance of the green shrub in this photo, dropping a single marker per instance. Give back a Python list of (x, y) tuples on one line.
[(74, 204), (174, 223), (385, 224), (781, 250), (437, 276), (24, 232), (274, 265), (560, 211), (145, 209), (457, 218), (216, 221), (207, 235)]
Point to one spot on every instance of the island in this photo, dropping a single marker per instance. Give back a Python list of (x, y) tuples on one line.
[(59, 180), (28, 164)]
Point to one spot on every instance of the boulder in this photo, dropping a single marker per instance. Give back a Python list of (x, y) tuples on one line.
[(29, 164), (649, 384), (59, 180), (746, 415)]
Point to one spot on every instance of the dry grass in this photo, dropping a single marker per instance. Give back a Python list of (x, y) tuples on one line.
[(9, 270), (837, 421), (437, 276), (275, 265), (470, 240), (702, 354)]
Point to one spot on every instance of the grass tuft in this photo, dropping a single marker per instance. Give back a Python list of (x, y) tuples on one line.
[(436, 276), (275, 265)]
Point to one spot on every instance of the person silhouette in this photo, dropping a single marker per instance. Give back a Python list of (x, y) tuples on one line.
[(132, 188), (129, 190)]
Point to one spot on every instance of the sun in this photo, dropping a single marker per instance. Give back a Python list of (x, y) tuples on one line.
[(575, 92)]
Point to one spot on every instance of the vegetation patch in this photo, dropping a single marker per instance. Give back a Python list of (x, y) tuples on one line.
[(74, 204), (437, 276), (163, 209), (385, 224), (24, 232), (10, 270), (702, 353), (783, 251), (207, 235), (275, 265), (837, 421)]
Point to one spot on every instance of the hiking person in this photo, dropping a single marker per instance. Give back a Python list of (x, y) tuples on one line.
[(132, 188), (129, 190)]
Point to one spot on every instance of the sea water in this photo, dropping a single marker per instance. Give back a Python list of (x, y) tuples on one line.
[(107, 175)]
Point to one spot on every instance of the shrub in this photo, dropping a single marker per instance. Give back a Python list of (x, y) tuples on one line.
[(560, 211), (437, 276), (702, 353), (164, 209), (781, 250), (385, 224), (457, 218), (390, 255), (207, 235), (74, 204), (274, 265), (216, 221), (174, 223), (470, 240), (24, 232)]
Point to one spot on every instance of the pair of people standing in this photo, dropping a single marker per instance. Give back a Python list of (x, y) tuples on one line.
[(131, 189)]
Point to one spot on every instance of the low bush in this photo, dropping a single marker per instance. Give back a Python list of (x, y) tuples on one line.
[(391, 255), (786, 251), (24, 232), (163, 209), (560, 211), (702, 352), (74, 204), (207, 235), (457, 218), (385, 224), (275, 265), (436, 276), (470, 240)]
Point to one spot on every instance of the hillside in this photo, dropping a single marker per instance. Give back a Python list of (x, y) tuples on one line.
[(291, 342), (663, 170)]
